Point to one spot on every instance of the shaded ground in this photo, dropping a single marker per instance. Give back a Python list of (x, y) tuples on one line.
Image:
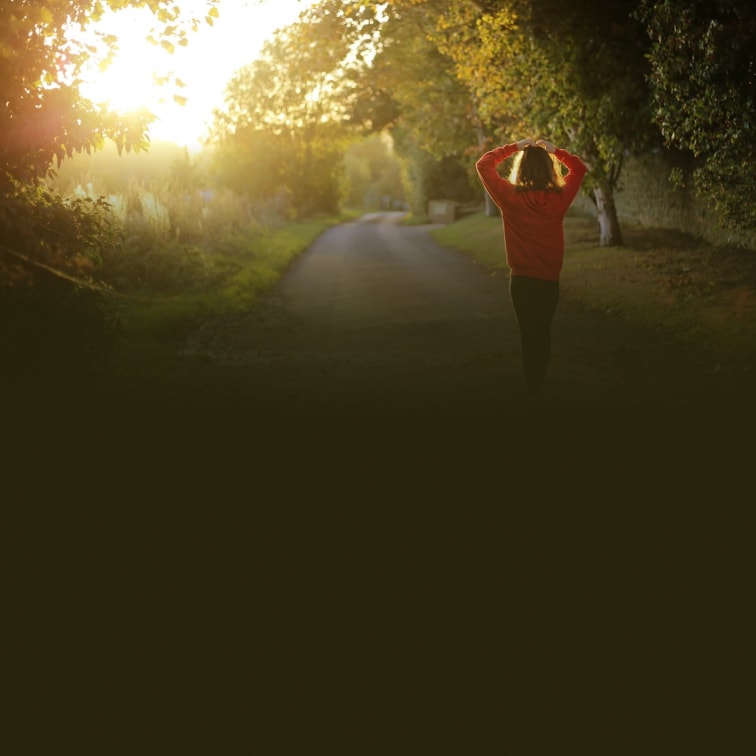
[(310, 554), (388, 367), (377, 317)]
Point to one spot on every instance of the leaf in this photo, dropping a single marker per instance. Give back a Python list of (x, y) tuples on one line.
[(180, 99)]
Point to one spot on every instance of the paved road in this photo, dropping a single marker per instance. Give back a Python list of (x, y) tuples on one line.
[(376, 316)]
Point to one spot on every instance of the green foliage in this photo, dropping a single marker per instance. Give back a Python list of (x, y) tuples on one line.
[(345, 67), (373, 172), (54, 334), (69, 234), (45, 118), (283, 127), (278, 136), (252, 162), (409, 88), (432, 104), (449, 179), (179, 231), (176, 238), (572, 72), (303, 175), (51, 322), (56, 326), (703, 74), (260, 264)]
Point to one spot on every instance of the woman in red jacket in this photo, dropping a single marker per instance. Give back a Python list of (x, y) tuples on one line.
[(533, 205)]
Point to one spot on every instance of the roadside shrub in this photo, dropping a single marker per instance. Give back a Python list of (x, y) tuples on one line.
[(168, 267), (176, 237), (180, 232), (55, 336)]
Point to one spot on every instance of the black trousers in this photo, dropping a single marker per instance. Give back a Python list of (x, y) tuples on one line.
[(535, 302)]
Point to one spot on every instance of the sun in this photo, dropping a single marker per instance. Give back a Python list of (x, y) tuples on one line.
[(204, 66), (129, 82), (144, 76)]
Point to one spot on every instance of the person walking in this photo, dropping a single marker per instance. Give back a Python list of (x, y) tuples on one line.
[(533, 203)]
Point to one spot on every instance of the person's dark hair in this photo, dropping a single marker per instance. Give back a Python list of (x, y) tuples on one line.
[(536, 170)]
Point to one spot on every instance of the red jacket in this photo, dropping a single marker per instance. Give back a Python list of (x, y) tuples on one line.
[(533, 233)]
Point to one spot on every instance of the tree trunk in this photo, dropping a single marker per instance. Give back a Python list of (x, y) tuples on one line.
[(609, 228)]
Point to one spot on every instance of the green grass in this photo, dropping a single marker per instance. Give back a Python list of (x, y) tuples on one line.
[(415, 220), (660, 279), (141, 362), (477, 235), (145, 359), (252, 267), (600, 278), (272, 254)]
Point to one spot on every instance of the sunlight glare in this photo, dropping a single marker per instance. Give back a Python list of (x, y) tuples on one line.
[(205, 65), (128, 83)]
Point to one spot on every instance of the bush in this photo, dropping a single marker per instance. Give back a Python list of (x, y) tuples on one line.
[(176, 237), (55, 336)]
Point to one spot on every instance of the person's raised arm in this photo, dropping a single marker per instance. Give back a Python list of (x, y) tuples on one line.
[(548, 146), (486, 166)]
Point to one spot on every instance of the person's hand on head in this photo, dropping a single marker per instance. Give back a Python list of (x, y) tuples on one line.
[(523, 143), (548, 146)]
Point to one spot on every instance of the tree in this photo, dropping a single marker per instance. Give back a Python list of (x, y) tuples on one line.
[(373, 173), (410, 89), (283, 126), (703, 76), (45, 118), (574, 73), (53, 323)]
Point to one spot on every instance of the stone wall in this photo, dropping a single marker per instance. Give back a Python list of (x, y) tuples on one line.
[(647, 198)]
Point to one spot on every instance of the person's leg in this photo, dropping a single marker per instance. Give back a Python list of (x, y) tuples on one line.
[(534, 301)]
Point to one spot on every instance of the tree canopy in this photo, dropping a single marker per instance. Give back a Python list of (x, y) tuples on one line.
[(42, 55), (446, 78), (573, 73), (703, 76), (284, 125), (45, 118)]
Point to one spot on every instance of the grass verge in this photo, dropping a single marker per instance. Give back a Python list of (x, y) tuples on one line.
[(140, 362), (702, 295), (253, 270)]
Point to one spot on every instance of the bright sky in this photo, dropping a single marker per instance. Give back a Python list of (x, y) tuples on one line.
[(205, 65)]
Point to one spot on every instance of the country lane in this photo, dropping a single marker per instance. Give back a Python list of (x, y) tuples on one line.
[(378, 317)]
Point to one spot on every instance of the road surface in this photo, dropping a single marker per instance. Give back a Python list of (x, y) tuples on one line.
[(377, 317)]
